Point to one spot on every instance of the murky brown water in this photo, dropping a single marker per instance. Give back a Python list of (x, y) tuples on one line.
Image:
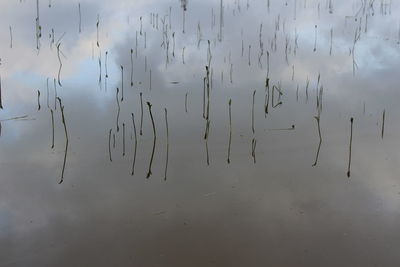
[(279, 205)]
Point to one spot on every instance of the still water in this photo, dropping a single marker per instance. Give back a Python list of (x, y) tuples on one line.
[(304, 186)]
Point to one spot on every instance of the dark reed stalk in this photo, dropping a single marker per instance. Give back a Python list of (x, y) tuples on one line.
[(131, 67), (204, 97), (221, 20), (307, 84), (38, 99), (252, 113), (154, 140), (292, 72), (80, 17), (52, 39), (206, 134), (141, 26), (253, 149), (183, 55), (136, 45), (47, 90), (114, 140), (166, 159), (52, 127), (145, 63), (249, 54), (11, 38), (317, 118), (266, 101), (230, 73), (141, 113), (119, 108), (383, 122), (105, 64), (123, 139), (38, 27), (351, 140), (267, 64), (316, 90), (122, 83), (109, 144), (134, 153), (97, 29), (25, 117), (284, 129), (315, 40), (364, 108), (173, 44), (230, 131), (297, 93), (59, 60), (208, 92), (66, 137), (100, 68)]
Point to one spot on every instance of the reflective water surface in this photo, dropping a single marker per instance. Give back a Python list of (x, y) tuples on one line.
[(289, 157)]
